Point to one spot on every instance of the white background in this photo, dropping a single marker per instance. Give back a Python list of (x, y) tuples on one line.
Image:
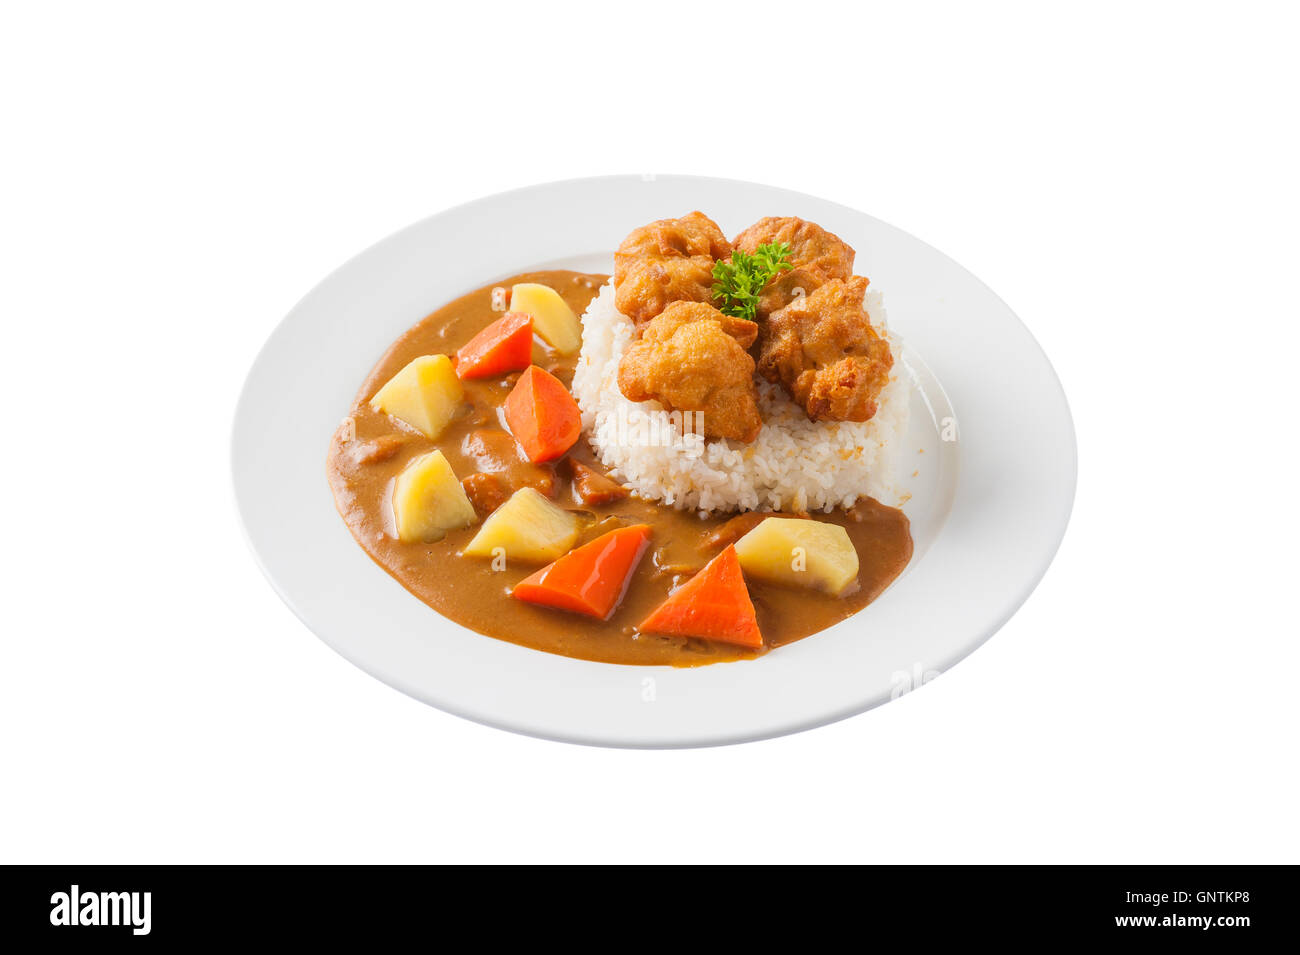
[(175, 177)]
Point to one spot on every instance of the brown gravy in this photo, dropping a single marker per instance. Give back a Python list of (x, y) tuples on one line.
[(370, 448)]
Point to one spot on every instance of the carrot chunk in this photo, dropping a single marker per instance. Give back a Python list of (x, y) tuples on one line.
[(591, 579), (505, 345), (714, 604), (542, 415)]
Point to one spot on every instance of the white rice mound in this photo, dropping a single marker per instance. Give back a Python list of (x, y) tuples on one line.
[(794, 465)]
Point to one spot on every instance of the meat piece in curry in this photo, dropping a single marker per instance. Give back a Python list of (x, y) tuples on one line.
[(733, 530), (693, 358), (486, 491), (667, 261), (823, 349), (592, 487), (380, 449), (816, 256), (496, 452)]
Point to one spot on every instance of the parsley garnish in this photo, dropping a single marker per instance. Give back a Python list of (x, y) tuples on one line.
[(739, 283)]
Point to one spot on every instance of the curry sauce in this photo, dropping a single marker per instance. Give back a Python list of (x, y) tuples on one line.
[(370, 448)]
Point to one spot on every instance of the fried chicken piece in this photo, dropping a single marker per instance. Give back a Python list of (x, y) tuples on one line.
[(691, 358), (816, 257), (823, 349), (693, 234), (813, 248), (649, 284), (667, 261), (678, 314)]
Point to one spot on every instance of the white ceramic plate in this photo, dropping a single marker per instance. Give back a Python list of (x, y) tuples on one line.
[(988, 510)]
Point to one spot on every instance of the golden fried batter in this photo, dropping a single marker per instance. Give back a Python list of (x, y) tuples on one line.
[(823, 349), (667, 261), (693, 358), (678, 314), (816, 256)]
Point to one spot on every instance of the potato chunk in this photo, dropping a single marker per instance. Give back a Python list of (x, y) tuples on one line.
[(801, 553), (425, 394), (552, 317), (428, 500), (527, 527)]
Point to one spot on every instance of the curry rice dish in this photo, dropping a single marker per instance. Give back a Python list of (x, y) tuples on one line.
[(698, 469)]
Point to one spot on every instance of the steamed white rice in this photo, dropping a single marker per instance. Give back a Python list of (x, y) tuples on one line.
[(794, 465)]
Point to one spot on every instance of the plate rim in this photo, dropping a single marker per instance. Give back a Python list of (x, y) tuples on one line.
[(596, 738)]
